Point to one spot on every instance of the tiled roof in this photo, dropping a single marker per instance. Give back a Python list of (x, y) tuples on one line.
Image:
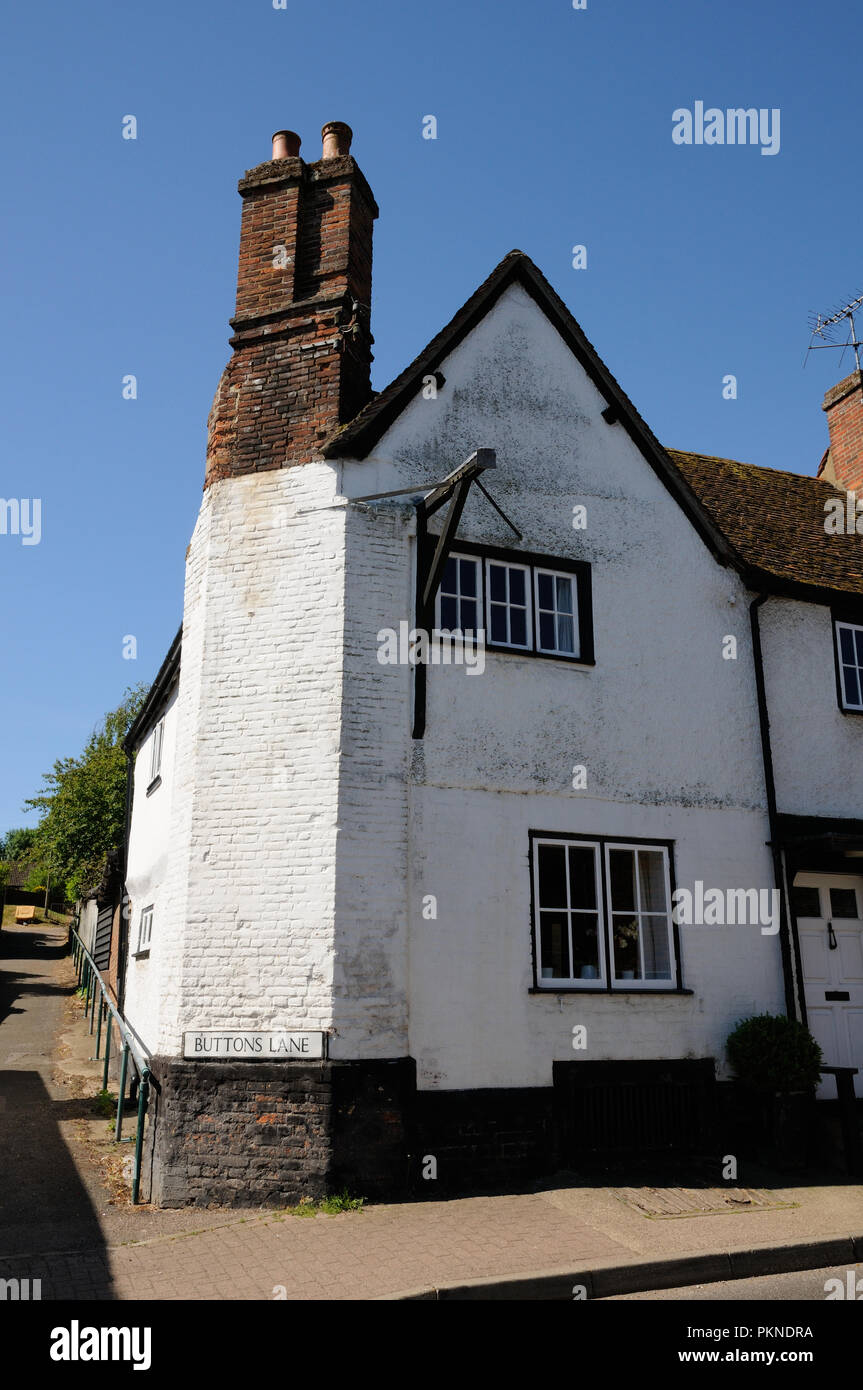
[(775, 522)]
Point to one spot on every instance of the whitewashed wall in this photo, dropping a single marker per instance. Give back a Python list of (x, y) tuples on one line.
[(150, 847), (817, 749), (245, 938), (666, 728)]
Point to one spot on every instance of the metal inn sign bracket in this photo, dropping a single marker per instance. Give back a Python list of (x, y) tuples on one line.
[(453, 489)]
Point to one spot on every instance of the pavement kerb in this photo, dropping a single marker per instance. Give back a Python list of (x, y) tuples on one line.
[(603, 1281)]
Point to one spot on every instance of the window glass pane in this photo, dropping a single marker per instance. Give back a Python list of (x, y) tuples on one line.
[(655, 945), (551, 860), (498, 623), (554, 945), (546, 630), (651, 880), (497, 582), (468, 569), (852, 685), (516, 586), (843, 902), (585, 946), (858, 638), (448, 583), (565, 634), (805, 902), (518, 626), (622, 874), (448, 612), (625, 933), (544, 586), (582, 877), (468, 614), (564, 595)]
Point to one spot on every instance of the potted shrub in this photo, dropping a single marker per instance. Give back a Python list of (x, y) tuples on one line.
[(776, 1063)]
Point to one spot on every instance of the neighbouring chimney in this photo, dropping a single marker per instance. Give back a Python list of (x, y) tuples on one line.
[(302, 343), (843, 462)]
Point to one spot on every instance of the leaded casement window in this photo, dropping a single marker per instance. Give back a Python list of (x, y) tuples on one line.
[(602, 915)]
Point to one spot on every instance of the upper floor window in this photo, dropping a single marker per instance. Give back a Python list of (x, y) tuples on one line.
[(524, 603), (849, 637), (145, 929), (156, 750)]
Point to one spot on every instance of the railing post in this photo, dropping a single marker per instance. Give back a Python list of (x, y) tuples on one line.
[(143, 1090), (121, 1096), (108, 1022), (86, 987), (93, 1005), (100, 1010)]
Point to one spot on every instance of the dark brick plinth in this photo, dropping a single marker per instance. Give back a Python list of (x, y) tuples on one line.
[(268, 1134)]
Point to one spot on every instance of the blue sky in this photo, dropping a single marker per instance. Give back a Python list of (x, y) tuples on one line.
[(554, 129)]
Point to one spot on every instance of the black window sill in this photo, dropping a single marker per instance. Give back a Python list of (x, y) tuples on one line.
[(603, 993), (156, 782), (141, 955)]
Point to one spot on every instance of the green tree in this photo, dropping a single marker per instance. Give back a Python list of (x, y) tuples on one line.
[(17, 845), (83, 803)]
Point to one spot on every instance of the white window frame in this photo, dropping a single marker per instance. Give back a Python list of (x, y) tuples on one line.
[(853, 628), (478, 599), (573, 588), (145, 929), (571, 981), (669, 981), (156, 750), (528, 610)]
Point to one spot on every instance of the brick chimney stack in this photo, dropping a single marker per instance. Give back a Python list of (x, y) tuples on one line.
[(302, 342), (843, 463)]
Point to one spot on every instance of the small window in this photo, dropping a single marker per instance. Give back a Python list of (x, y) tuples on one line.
[(557, 620), (156, 750), (459, 598), (850, 640), (145, 929), (805, 901), (843, 902), (508, 598)]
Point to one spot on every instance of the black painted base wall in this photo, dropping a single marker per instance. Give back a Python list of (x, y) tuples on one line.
[(269, 1134)]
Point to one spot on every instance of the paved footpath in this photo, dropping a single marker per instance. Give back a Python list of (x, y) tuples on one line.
[(59, 1223)]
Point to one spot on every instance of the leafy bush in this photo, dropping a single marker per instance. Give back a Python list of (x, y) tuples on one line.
[(772, 1053)]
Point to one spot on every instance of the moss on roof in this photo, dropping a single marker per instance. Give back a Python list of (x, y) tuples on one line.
[(775, 521)]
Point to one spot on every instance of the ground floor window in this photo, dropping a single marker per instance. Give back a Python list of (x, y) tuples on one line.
[(602, 914)]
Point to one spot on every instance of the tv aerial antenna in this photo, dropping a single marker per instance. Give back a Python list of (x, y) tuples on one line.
[(827, 328)]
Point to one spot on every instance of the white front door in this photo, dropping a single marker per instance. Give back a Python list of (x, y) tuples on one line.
[(829, 912)]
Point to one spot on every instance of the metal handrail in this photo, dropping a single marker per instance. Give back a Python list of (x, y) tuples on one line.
[(88, 973)]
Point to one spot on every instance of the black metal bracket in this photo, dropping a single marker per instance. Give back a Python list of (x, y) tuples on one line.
[(454, 489)]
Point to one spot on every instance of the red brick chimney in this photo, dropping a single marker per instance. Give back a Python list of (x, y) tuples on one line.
[(302, 343), (843, 462)]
